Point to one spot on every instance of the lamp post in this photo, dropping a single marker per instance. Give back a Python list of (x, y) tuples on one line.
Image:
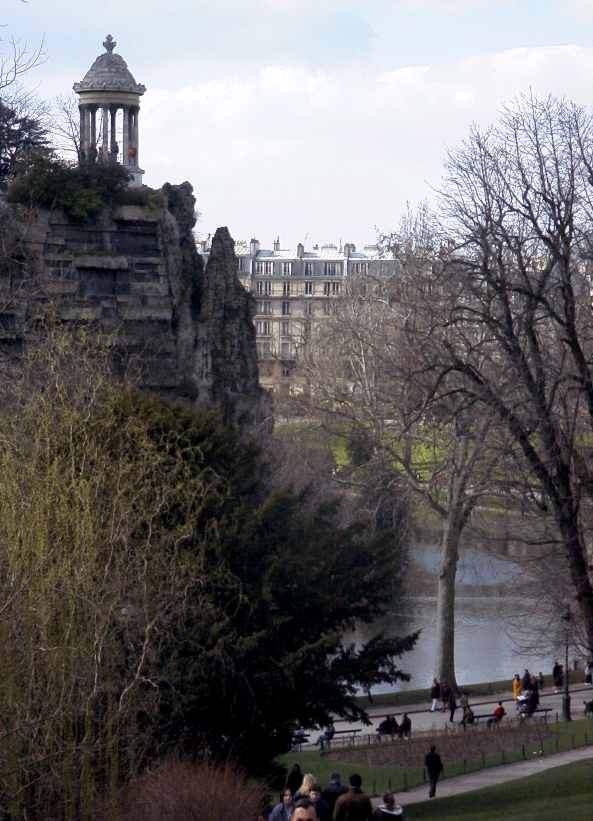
[(566, 618)]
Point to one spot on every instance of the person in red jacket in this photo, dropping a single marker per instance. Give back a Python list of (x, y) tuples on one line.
[(497, 715)]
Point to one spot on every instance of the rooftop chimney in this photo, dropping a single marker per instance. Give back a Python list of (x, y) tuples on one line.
[(253, 247), (277, 244), (300, 250)]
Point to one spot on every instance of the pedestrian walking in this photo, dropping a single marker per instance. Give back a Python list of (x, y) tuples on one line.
[(589, 673), (526, 679), (333, 791), (435, 694), (517, 686), (451, 704), (283, 810), (321, 806), (294, 779), (557, 676), (354, 805), (434, 768)]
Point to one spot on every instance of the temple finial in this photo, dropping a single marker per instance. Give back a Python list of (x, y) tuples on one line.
[(109, 43)]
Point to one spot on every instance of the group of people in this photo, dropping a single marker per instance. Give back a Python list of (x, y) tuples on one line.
[(304, 800), (443, 698), (526, 691), (390, 726)]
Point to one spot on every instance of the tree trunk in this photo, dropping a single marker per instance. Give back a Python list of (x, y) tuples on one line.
[(445, 647), (576, 554)]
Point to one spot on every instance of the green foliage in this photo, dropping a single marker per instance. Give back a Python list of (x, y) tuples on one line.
[(282, 587), (156, 597), (22, 138), (81, 190)]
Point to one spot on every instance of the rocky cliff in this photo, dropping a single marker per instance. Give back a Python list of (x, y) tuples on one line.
[(135, 273)]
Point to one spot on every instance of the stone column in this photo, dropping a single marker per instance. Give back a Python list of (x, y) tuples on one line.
[(83, 140), (105, 135), (126, 136), (113, 138), (136, 112), (93, 140)]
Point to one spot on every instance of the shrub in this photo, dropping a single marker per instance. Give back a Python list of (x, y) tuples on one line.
[(181, 791), (82, 191)]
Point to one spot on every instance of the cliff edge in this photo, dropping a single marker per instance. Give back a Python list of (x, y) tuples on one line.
[(134, 272)]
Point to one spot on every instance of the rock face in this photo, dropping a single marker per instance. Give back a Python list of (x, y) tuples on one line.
[(136, 274)]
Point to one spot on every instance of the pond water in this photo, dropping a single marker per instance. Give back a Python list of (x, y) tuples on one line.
[(484, 649)]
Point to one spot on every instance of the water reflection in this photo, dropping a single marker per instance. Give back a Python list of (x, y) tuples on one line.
[(484, 649)]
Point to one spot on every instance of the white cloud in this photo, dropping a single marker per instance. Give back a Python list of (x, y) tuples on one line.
[(583, 8), (333, 153), (447, 6)]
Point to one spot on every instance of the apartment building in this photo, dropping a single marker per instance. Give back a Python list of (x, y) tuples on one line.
[(294, 288)]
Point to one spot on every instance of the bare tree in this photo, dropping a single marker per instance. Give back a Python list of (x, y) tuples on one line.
[(17, 59), (517, 339), (65, 126), (365, 367)]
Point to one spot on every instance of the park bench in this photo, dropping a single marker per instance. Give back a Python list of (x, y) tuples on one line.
[(478, 716), (346, 735), (544, 710)]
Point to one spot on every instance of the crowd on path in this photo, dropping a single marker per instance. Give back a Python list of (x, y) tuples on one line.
[(303, 799)]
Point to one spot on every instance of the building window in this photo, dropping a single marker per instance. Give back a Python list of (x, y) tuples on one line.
[(336, 287), (285, 308), (308, 289), (285, 327), (264, 350), (285, 370), (264, 307), (360, 268), (332, 268), (308, 269), (308, 309), (285, 349), (263, 288), (286, 288), (286, 269), (262, 328), (266, 268), (326, 288), (327, 308)]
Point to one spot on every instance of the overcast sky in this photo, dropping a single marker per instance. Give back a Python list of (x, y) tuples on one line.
[(312, 119)]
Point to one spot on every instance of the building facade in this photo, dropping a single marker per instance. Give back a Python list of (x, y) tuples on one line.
[(294, 288)]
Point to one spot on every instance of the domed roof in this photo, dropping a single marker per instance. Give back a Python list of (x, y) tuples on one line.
[(109, 72)]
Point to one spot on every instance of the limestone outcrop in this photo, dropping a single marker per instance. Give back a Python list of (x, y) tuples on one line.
[(135, 273)]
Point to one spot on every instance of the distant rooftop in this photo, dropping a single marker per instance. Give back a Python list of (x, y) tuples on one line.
[(244, 248)]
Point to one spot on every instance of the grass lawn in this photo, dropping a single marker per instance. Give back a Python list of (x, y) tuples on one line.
[(377, 779), (560, 794)]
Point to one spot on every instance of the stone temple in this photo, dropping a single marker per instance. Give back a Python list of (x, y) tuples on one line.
[(107, 88)]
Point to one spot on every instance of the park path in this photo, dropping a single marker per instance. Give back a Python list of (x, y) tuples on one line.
[(492, 776), (423, 719)]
